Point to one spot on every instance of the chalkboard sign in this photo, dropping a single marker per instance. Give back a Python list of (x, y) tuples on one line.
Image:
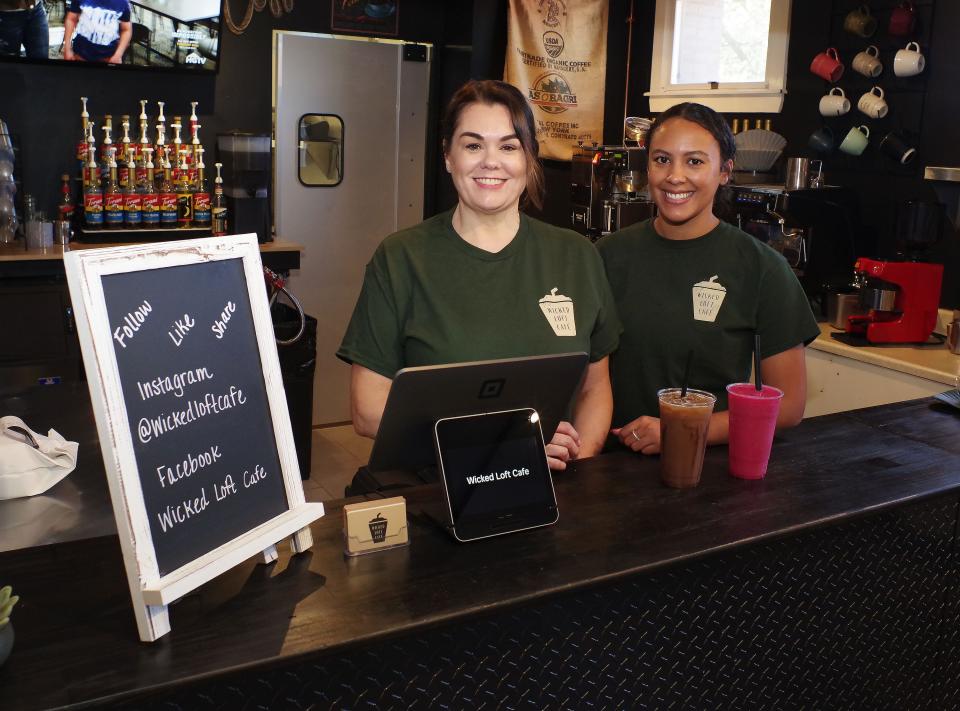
[(183, 372)]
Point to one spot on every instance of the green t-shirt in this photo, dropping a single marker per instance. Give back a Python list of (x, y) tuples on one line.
[(709, 294), (429, 297)]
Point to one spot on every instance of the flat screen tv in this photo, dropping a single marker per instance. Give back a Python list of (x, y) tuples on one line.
[(178, 35)]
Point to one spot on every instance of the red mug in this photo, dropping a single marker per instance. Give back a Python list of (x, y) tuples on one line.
[(903, 18), (827, 65)]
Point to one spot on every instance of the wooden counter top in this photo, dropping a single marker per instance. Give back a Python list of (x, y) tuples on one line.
[(19, 263), (77, 642), (17, 253), (934, 363)]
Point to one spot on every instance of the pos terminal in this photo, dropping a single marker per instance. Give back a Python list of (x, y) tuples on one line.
[(484, 409)]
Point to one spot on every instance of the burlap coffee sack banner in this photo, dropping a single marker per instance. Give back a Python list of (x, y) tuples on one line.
[(557, 56)]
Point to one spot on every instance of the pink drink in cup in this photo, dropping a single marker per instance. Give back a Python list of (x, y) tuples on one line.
[(753, 419)]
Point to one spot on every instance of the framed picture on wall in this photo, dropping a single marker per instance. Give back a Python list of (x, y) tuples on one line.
[(371, 17)]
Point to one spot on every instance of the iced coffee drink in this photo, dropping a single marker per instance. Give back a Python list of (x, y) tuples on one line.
[(683, 435)]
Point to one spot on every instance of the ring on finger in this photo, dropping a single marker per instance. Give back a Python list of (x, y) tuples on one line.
[(635, 435)]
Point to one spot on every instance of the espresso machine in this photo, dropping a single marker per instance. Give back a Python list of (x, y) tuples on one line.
[(608, 188), (899, 298), (815, 229)]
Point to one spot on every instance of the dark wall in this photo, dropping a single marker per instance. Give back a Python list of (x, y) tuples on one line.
[(490, 42), (923, 108), (41, 103)]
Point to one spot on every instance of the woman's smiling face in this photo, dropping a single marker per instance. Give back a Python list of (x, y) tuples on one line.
[(486, 160), (685, 170)]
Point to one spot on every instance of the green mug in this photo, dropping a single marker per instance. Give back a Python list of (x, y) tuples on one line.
[(860, 22), (856, 140)]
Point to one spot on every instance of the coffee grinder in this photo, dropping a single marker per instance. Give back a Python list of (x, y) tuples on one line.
[(246, 181), (900, 298)]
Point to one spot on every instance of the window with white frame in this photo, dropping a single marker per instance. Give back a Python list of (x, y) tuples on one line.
[(728, 54)]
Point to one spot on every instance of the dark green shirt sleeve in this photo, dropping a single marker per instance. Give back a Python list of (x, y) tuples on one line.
[(606, 332), (373, 336), (784, 318)]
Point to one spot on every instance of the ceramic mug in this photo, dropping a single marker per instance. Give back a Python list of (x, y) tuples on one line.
[(860, 22), (873, 104), (909, 62), (821, 141), (835, 103), (903, 18), (868, 63), (856, 140), (894, 146), (827, 65)]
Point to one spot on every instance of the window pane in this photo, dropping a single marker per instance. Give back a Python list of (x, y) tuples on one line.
[(720, 40), (321, 150)]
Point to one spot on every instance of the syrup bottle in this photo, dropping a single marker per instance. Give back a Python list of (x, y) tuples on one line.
[(201, 197), (150, 205), (124, 173), (67, 205), (219, 205), (92, 196), (184, 193), (112, 198), (168, 196), (132, 199), (82, 144)]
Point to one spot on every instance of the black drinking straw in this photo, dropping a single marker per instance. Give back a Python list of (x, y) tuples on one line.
[(756, 363), (686, 374)]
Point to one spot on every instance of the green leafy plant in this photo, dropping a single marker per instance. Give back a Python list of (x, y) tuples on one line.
[(7, 601)]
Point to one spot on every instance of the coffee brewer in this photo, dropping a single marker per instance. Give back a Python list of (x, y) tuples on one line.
[(246, 181), (900, 297), (608, 188)]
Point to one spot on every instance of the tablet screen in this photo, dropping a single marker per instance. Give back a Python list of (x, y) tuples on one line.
[(495, 473)]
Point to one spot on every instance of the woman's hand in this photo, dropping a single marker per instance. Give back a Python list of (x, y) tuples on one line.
[(564, 447), (641, 435)]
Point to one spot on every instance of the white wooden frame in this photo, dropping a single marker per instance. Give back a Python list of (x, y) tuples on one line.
[(150, 592), (755, 97)]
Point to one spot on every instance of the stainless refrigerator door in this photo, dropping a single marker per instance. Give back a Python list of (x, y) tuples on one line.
[(381, 99)]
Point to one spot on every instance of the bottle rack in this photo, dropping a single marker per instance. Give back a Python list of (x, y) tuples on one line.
[(109, 236)]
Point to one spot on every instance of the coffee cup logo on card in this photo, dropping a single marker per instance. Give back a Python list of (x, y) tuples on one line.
[(558, 310), (556, 56), (708, 297)]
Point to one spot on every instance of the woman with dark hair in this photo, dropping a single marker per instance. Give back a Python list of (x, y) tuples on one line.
[(686, 281), (467, 284)]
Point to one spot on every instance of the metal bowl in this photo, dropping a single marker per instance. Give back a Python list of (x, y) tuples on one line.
[(636, 129)]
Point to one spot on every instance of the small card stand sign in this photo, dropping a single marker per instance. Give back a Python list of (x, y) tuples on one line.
[(179, 351)]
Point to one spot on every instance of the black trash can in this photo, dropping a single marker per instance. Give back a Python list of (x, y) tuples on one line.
[(298, 361)]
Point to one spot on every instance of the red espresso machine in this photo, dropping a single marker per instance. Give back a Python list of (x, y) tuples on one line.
[(899, 299)]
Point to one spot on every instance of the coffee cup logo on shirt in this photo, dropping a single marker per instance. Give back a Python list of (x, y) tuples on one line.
[(558, 310), (708, 297)]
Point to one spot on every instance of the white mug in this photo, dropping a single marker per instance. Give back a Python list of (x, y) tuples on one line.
[(909, 62), (834, 104), (868, 63), (872, 103)]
